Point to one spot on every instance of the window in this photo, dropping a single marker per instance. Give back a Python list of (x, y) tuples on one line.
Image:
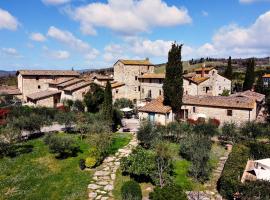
[(168, 115), (116, 91), (189, 83), (160, 92), (160, 81), (139, 88), (229, 113), (135, 89), (38, 86), (136, 78), (194, 109)]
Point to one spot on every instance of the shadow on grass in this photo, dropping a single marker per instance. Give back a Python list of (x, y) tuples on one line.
[(67, 154), (19, 149)]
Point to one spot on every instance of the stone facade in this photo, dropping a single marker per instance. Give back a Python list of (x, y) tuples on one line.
[(159, 118), (128, 73)]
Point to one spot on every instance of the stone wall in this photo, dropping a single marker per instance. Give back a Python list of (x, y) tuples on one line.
[(46, 102), (129, 74), (159, 118), (238, 116)]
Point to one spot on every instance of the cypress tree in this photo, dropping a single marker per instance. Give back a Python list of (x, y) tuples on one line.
[(250, 74), (228, 71), (173, 83), (107, 104)]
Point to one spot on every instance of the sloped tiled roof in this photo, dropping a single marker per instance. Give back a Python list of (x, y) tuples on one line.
[(69, 83), (152, 75), (11, 90), (220, 101), (49, 72), (233, 102), (117, 84), (198, 80), (43, 94), (136, 62), (251, 94), (266, 76), (155, 106), (77, 86), (60, 80)]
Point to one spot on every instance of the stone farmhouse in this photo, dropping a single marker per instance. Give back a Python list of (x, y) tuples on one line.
[(50, 87), (236, 108), (142, 83)]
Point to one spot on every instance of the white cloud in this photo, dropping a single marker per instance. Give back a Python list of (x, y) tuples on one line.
[(61, 55), (10, 52), (91, 55), (129, 16), (67, 38), (7, 21), (204, 13), (38, 37), (55, 2), (252, 1)]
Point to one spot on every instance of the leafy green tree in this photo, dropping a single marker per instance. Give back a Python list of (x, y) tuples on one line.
[(250, 75), (63, 146), (259, 83), (147, 134), (168, 192), (78, 106), (107, 104), (123, 103), (228, 72), (251, 130), (163, 162), (94, 98), (66, 118), (173, 83), (229, 131)]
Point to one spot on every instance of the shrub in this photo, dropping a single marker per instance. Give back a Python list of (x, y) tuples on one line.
[(255, 190), (168, 192), (131, 190), (259, 151), (147, 134), (229, 131), (63, 146), (90, 162), (191, 121), (140, 164), (197, 150), (206, 129), (78, 106), (82, 164), (178, 130), (251, 130), (229, 181), (123, 103)]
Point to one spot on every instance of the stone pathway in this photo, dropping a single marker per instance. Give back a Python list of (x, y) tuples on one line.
[(102, 184)]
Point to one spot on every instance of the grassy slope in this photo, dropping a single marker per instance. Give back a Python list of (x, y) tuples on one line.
[(38, 175)]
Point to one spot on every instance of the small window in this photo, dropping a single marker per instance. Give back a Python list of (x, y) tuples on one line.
[(136, 78), (37, 78), (139, 88), (194, 109), (229, 113), (38, 86), (160, 92), (135, 89), (160, 81), (116, 91), (189, 83), (168, 115)]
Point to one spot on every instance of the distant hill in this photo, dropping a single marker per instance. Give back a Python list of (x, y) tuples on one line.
[(7, 73)]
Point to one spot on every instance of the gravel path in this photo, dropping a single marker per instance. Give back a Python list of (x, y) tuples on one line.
[(102, 184)]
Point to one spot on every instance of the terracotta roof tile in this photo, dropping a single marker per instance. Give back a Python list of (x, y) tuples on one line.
[(205, 69), (156, 106), (71, 82), (136, 62), (77, 86), (49, 72), (198, 80), (266, 76), (117, 84), (60, 80), (251, 94), (43, 94), (11, 90)]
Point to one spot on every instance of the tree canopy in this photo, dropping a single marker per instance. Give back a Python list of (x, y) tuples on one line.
[(250, 75), (173, 83), (107, 104), (228, 72)]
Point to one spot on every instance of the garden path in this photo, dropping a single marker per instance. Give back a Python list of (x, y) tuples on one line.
[(103, 180)]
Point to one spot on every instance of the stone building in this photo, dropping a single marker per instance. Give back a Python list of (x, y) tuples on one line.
[(32, 81), (266, 80), (51, 87), (128, 72), (234, 108)]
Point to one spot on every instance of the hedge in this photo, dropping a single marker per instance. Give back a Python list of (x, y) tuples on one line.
[(229, 181)]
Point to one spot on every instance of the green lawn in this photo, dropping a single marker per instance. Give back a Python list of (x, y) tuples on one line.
[(119, 141), (39, 175)]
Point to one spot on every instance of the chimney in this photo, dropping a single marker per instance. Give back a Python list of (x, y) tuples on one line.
[(203, 68)]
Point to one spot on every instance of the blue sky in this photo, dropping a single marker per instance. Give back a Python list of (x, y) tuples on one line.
[(83, 34)]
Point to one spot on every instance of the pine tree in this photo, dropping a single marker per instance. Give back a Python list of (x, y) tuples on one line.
[(173, 83), (107, 104), (250, 74), (228, 71)]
